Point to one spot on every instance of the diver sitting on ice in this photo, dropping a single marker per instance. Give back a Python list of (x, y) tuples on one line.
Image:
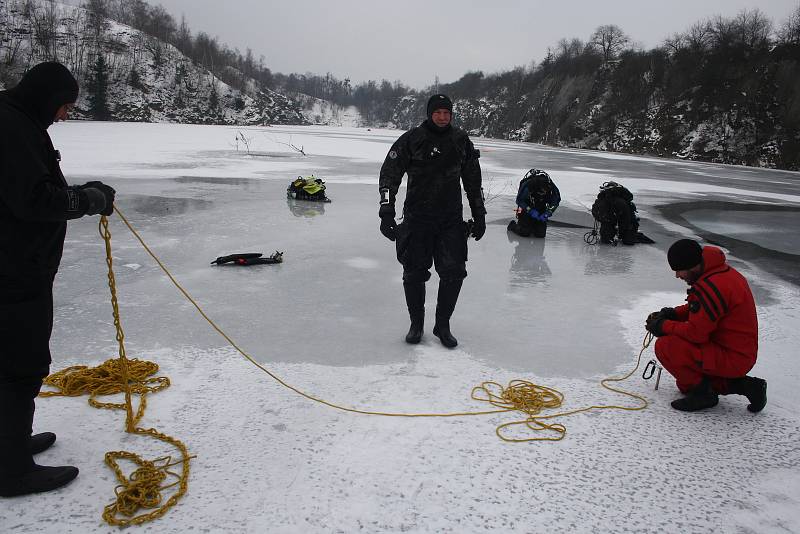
[(537, 200), (308, 188)]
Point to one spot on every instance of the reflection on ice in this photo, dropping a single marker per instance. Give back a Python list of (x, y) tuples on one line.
[(528, 263), (305, 208), (606, 259)]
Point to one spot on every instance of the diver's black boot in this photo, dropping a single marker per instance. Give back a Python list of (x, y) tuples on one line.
[(699, 398), (36, 480), (415, 300), (41, 442), (629, 237), (445, 304), (755, 389)]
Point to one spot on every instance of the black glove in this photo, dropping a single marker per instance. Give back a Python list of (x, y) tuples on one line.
[(478, 226), (478, 210), (655, 324), (388, 224), (669, 314), (99, 198)]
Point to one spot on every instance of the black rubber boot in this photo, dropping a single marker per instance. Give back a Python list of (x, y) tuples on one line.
[(629, 237), (415, 300), (699, 398), (39, 479), (41, 442), (445, 304), (755, 389)]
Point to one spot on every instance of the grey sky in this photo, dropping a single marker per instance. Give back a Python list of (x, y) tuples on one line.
[(415, 40)]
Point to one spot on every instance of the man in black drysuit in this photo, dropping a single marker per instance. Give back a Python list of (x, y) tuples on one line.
[(616, 212), (437, 156), (35, 203)]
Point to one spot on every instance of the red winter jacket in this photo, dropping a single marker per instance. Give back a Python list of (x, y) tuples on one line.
[(719, 309)]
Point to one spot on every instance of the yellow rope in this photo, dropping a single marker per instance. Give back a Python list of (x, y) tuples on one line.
[(524, 395), (143, 489), (531, 399)]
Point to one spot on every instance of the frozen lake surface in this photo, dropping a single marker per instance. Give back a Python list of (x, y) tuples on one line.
[(331, 320)]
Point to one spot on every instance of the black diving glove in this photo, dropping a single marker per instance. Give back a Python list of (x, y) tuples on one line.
[(655, 324), (669, 313), (478, 211), (478, 226), (98, 198), (388, 224)]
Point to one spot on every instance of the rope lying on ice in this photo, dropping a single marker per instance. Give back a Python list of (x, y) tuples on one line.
[(144, 487), (520, 395)]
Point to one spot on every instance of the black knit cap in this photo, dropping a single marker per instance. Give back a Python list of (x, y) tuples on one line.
[(439, 102), (684, 254), (44, 89)]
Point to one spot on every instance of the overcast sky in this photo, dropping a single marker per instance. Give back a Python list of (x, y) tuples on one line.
[(415, 40)]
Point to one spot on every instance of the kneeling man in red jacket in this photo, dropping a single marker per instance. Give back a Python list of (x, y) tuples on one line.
[(710, 343)]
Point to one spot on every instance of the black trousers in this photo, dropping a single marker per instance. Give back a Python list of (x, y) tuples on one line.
[(26, 322), (421, 244), (524, 226), (616, 216)]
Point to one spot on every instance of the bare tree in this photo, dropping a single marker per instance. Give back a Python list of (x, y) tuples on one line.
[(98, 12), (610, 40), (12, 40), (753, 28), (750, 28), (789, 32), (567, 49), (700, 36), (74, 42), (45, 21)]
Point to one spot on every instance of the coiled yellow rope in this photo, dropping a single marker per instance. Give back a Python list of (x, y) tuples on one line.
[(143, 489), (531, 399)]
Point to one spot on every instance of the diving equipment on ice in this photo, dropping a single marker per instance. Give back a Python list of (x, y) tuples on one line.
[(307, 188), (249, 258)]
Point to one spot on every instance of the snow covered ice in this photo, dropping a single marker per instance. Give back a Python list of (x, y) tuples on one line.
[(330, 320)]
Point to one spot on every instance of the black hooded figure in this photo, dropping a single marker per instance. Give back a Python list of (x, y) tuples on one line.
[(616, 213), (437, 157), (35, 203)]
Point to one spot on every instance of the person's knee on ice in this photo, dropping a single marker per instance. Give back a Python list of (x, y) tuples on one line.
[(539, 229)]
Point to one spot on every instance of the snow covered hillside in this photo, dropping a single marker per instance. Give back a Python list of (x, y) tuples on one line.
[(147, 79)]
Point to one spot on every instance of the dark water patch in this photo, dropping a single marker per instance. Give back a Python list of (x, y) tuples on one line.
[(214, 180), (255, 154), (157, 205), (784, 265)]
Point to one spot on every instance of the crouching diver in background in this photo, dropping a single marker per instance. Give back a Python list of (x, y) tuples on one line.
[(537, 200), (437, 156), (615, 211)]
